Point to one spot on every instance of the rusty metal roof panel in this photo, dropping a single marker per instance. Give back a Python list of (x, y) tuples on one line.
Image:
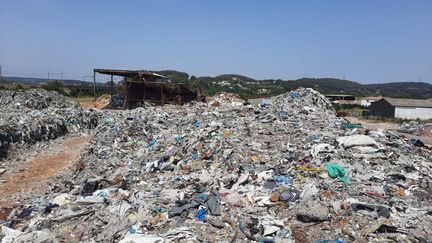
[(127, 73)]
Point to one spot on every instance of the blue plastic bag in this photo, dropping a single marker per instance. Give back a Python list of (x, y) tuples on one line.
[(201, 214), (282, 180)]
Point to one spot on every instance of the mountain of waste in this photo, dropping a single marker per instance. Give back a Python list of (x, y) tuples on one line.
[(226, 171), (34, 115)]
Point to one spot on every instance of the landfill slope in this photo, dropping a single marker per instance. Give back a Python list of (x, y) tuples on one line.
[(35, 99), (225, 171), (27, 117)]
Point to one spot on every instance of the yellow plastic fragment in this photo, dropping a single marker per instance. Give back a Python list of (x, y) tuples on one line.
[(226, 134), (303, 168), (254, 158)]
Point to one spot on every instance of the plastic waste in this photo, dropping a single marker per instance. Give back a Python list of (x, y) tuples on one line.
[(150, 143), (417, 143), (336, 171), (282, 180), (201, 213), (350, 126), (328, 241)]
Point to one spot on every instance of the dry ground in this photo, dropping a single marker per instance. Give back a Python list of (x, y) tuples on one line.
[(88, 102), (426, 136), (33, 174)]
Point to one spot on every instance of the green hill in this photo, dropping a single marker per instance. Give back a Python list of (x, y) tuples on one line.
[(248, 87)]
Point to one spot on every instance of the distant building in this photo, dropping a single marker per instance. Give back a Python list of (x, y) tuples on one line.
[(367, 101), (263, 91), (402, 108), (336, 97)]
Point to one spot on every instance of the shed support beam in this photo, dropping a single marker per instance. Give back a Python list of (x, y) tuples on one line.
[(94, 88)]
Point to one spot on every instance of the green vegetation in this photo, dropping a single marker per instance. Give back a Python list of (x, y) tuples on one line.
[(247, 87), (19, 87), (55, 86), (176, 76)]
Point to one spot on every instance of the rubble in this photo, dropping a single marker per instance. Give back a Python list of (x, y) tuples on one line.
[(35, 115), (413, 127), (34, 99), (233, 172)]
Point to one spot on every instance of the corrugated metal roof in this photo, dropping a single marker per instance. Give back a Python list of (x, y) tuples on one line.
[(127, 73), (372, 98), (409, 102)]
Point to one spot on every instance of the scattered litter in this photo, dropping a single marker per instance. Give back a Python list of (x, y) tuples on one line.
[(222, 171)]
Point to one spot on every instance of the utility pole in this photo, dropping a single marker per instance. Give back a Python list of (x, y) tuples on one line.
[(86, 76), (62, 76), (48, 76), (1, 77)]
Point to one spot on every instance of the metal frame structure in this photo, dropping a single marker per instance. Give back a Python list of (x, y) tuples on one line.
[(143, 86)]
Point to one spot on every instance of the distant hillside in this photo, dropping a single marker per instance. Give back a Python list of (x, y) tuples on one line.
[(248, 87), (39, 80), (402, 89), (174, 75)]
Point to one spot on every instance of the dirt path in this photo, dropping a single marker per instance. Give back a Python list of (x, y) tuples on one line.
[(34, 174), (88, 102), (426, 136), (373, 125)]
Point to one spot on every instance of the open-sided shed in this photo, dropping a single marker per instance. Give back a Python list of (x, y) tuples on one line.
[(141, 86)]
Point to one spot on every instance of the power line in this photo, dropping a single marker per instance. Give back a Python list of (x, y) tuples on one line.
[(52, 75)]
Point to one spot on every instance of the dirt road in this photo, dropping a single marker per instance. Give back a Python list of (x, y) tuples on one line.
[(33, 174), (426, 136)]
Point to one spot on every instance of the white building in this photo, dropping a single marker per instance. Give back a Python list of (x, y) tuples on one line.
[(402, 108)]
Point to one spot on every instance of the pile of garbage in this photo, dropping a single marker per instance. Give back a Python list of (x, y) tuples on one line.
[(34, 99), (303, 101), (224, 97), (35, 115), (116, 101), (413, 127), (235, 173)]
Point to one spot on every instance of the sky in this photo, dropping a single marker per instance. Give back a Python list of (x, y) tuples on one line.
[(366, 41)]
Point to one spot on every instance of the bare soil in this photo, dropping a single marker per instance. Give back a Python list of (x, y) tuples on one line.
[(425, 136), (88, 102), (34, 174)]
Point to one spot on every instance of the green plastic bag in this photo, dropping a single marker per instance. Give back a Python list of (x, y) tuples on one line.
[(350, 126), (336, 171)]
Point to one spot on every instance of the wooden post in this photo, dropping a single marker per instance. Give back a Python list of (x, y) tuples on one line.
[(162, 98), (126, 94), (144, 95), (94, 87), (179, 94), (112, 85), (198, 98)]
